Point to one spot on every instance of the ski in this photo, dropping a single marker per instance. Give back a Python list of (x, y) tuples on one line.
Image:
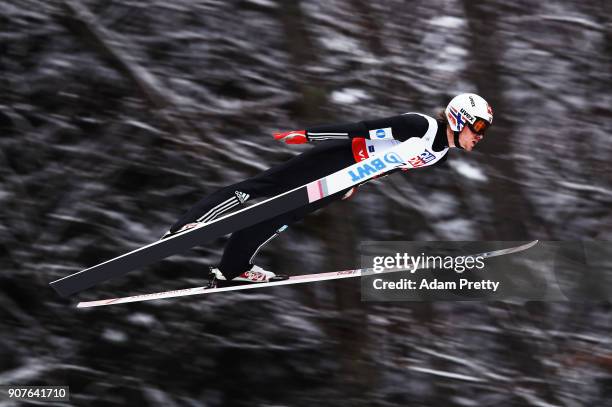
[(407, 154), (301, 279)]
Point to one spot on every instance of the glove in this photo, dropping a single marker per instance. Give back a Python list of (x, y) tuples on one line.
[(292, 137)]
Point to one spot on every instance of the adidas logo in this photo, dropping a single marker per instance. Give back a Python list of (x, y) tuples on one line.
[(242, 197)]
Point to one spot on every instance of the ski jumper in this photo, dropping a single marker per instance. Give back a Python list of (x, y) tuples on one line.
[(344, 145)]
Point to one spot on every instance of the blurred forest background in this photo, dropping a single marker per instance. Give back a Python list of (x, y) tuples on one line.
[(117, 116)]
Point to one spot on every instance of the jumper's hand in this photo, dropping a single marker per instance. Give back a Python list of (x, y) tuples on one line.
[(292, 137)]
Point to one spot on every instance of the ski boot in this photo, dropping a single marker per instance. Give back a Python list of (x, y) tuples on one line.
[(182, 229), (255, 275)]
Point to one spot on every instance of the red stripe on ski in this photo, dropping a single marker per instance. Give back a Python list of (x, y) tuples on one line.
[(315, 191)]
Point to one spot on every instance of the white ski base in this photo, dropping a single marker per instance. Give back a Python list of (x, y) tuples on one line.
[(306, 278)]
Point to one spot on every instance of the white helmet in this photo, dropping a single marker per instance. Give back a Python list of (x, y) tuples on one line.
[(470, 109)]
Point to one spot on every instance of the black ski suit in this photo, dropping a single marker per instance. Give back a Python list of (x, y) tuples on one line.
[(325, 158)]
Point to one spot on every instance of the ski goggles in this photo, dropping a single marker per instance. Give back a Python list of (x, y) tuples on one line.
[(479, 126)]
